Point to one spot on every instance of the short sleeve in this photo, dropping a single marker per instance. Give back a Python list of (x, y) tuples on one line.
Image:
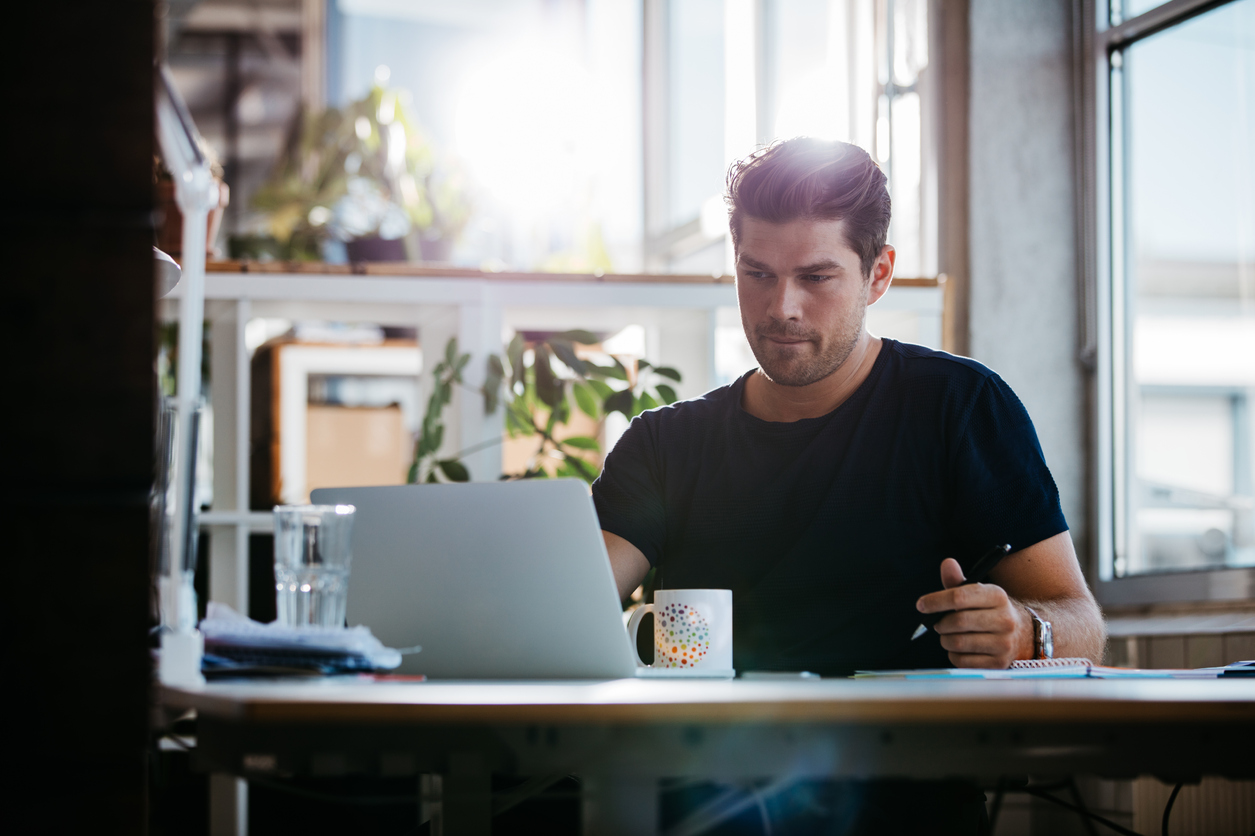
[(1002, 490), (628, 493)]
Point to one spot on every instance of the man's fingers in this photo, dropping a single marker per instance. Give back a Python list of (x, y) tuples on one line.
[(976, 660), (972, 596), (951, 573), (991, 644), (992, 620)]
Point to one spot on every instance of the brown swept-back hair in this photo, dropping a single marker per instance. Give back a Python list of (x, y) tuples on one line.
[(813, 179)]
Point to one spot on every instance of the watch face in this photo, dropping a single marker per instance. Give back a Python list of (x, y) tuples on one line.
[(1047, 641)]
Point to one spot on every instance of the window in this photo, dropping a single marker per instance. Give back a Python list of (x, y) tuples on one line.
[(734, 75), (1178, 368)]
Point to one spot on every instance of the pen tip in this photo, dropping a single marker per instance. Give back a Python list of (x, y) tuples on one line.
[(919, 631)]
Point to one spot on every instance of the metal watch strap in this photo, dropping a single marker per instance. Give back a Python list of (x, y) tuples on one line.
[(1040, 627)]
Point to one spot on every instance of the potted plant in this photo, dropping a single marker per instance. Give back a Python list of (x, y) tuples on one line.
[(367, 177), (537, 381)]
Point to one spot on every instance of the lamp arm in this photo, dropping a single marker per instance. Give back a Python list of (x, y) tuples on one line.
[(196, 192)]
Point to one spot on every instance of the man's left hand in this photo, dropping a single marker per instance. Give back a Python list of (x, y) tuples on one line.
[(987, 628)]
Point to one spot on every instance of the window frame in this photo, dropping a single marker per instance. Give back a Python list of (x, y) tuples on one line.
[(1102, 185), (666, 239)]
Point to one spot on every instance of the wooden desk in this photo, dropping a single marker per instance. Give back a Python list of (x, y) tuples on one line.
[(626, 734)]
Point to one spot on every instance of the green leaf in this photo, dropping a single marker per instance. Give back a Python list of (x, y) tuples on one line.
[(459, 365), (619, 402), (441, 394), (454, 470), (548, 387), (586, 399), (580, 468), (517, 408), (645, 401), (517, 421), (577, 336), (437, 438), (412, 476), (495, 369), (528, 396), (491, 390), (431, 478), (514, 353), (667, 371), (581, 442), (451, 351), (668, 394), (616, 371), (602, 389), (566, 353), (643, 364)]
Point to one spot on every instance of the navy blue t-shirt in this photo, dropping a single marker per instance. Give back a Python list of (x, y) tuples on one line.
[(828, 529)]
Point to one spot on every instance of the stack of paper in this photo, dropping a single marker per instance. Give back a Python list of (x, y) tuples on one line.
[(235, 645)]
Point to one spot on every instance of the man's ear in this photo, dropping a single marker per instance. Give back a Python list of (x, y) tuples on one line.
[(882, 273)]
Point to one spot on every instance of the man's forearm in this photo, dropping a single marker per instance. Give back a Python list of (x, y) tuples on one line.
[(1076, 624)]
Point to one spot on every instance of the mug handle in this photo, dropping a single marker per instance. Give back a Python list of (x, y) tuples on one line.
[(633, 627)]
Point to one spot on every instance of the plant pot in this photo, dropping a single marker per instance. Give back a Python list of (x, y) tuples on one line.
[(375, 248), (435, 249)]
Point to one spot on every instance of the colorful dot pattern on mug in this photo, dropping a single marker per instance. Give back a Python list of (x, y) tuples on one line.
[(681, 636)]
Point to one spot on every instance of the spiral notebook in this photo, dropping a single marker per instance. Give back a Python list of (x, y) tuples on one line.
[(1063, 668)]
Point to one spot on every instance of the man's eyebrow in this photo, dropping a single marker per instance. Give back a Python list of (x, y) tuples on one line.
[(824, 265), (749, 262), (827, 265)]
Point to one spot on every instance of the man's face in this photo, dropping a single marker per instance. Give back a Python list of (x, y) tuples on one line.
[(803, 296)]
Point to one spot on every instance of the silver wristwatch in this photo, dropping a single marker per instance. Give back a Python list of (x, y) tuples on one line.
[(1043, 636)]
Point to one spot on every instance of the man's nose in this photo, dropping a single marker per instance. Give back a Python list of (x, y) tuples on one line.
[(786, 301)]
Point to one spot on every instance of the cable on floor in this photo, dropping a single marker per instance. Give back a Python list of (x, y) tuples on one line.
[(1167, 810), (1045, 796)]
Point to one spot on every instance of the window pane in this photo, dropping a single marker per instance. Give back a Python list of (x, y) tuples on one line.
[(1190, 145), (1133, 8), (697, 98)]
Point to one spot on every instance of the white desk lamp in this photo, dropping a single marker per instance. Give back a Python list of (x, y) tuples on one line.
[(167, 272), (196, 192)]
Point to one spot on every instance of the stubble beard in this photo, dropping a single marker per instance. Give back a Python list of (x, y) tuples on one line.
[(803, 371)]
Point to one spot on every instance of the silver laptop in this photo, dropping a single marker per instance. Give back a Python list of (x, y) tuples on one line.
[(501, 580)]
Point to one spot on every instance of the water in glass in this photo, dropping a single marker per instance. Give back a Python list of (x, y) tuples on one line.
[(312, 558)]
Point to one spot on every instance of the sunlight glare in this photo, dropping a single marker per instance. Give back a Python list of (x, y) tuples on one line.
[(524, 125), (814, 105)]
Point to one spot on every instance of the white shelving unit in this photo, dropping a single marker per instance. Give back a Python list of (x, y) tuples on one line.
[(679, 317)]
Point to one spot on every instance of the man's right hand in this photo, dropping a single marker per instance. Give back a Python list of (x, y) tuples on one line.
[(627, 562), (985, 628)]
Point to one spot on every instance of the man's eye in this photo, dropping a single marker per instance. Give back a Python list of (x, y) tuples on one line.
[(757, 274), (817, 278)]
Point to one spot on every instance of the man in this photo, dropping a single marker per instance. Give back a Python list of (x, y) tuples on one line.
[(841, 489), (837, 486)]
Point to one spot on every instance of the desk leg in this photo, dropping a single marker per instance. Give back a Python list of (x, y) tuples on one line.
[(228, 805), (620, 806), (466, 802)]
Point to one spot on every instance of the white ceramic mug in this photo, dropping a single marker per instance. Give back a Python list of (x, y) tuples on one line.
[(692, 629)]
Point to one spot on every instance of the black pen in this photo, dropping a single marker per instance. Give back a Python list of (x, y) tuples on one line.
[(979, 572)]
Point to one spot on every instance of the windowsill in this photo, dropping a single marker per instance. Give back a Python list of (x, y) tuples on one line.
[(1232, 588), (444, 271), (1182, 623)]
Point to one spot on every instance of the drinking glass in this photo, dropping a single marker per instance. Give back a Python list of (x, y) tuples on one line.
[(312, 563)]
